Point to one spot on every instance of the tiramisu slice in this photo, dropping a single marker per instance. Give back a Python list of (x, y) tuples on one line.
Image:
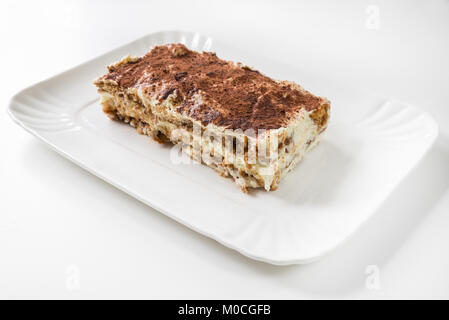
[(224, 114)]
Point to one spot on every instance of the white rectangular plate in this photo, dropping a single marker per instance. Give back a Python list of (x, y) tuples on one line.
[(369, 147)]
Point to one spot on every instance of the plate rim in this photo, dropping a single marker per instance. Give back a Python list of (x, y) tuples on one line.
[(159, 208)]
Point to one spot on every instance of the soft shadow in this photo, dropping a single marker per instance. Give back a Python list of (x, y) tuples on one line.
[(343, 270), (340, 272), (321, 162)]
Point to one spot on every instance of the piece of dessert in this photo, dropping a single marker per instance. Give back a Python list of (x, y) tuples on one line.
[(224, 114)]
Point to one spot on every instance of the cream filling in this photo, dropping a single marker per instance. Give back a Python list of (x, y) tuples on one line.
[(302, 132)]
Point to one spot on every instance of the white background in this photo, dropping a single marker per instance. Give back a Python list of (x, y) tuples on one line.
[(66, 234)]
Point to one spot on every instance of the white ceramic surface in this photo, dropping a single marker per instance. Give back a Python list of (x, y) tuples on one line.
[(370, 146)]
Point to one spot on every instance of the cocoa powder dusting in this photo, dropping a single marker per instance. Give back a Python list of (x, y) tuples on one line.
[(233, 96)]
